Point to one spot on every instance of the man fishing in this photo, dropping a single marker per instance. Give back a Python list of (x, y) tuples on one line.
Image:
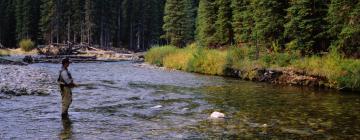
[(66, 83)]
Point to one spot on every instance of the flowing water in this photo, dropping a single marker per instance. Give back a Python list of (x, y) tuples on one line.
[(122, 101)]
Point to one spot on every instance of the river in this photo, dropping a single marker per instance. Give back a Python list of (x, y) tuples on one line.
[(123, 101)]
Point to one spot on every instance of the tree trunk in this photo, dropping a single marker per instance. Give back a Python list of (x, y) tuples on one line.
[(68, 30), (131, 36)]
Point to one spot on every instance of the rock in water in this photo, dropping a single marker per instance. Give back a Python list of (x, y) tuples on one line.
[(28, 59), (158, 106), (217, 115)]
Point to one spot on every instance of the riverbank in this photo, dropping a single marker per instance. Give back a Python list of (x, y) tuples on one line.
[(89, 54), (328, 71)]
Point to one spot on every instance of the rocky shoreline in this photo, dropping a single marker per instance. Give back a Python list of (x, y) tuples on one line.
[(284, 76), (16, 80)]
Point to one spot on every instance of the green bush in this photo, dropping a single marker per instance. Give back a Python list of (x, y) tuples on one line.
[(27, 45), (157, 54)]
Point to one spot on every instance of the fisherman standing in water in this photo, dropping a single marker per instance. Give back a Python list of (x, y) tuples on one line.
[(66, 83)]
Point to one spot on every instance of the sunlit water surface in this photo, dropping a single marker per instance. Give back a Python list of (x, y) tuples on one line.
[(122, 101)]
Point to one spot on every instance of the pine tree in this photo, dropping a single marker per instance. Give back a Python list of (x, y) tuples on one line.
[(153, 21), (34, 18), (89, 21), (19, 8), (47, 20), (205, 26), (305, 25), (178, 24), (74, 18), (224, 32), (27, 18), (189, 21), (7, 23), (269, 19), (344, 24), (242, 21)]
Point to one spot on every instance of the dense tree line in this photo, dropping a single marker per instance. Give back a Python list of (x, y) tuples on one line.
[(135, 24), (309, 26)]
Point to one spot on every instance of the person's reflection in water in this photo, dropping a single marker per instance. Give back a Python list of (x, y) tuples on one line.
[(66, 132)]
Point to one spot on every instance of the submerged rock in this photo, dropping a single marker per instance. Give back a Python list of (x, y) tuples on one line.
[(217, 115), (28, 59), (157, 106), (295, 131)]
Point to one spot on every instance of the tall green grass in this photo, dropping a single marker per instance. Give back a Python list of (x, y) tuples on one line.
[(180, 58), (340, 72), (207, 61), (157, 54)]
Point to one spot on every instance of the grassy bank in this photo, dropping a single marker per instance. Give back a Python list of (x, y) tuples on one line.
[(4, 52), (339, 72), (17, 52)]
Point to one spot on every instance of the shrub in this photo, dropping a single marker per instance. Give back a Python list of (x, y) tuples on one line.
[(157, 54), (27, 45)]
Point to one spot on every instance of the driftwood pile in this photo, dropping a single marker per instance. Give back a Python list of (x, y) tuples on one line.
[(61, 49), (54, 53), (82, 53), (109, 54)]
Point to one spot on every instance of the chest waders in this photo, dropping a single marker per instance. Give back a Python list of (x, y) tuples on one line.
[(66, 94)]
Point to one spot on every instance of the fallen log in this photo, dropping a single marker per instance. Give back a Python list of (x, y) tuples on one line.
[(58, 58)]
